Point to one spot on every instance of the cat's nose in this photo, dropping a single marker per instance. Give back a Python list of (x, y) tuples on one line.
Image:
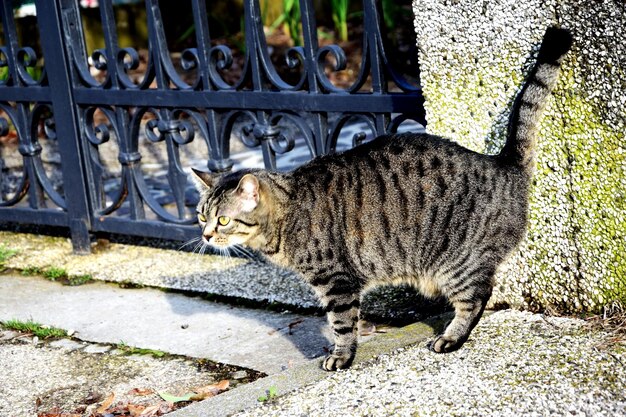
[(207, 235)]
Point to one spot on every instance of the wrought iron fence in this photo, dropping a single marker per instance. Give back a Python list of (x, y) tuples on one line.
[(80, 123)]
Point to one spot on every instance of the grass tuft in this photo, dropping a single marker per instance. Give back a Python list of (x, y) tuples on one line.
[(36, 329), (131, 350), (32, 270), (53, 273), (79, 280), (5, 254)]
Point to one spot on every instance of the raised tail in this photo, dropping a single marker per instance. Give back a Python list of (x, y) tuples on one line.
[(520, 147)]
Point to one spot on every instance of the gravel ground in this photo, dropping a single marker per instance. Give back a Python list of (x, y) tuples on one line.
[(515, 363), (40, 377)]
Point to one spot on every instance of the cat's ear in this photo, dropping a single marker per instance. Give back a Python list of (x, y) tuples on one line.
[(248, 191), (203, 180)]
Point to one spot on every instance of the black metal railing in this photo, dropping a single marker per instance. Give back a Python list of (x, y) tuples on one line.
[(92, 105)]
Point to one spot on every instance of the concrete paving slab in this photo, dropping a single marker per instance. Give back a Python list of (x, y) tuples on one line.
[(171, 322)]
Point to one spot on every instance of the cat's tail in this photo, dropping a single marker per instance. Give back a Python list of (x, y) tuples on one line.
[(520, 147)]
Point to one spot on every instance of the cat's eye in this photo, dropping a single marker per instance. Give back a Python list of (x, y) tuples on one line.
[(223, 220), (202, 217)]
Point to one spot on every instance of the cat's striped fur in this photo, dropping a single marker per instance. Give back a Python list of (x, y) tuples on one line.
[(408, 208)]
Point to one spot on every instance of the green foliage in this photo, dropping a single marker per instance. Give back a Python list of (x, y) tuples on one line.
[(79, 280), (37, 329), (32, 270), (392, 12), (54, 273), (175, 399), (291, 19), (129, 285), (131, 350), (340, 17), (270, 394), (5, 254)]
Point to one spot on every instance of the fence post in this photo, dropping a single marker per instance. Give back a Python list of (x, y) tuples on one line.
[(58, 70)]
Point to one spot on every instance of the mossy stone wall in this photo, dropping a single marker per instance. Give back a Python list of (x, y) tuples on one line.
[(473, 59)]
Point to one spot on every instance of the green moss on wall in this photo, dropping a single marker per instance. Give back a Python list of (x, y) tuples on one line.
[(473, 62)]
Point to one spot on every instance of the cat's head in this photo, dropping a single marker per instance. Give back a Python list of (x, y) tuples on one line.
[(233, 209)]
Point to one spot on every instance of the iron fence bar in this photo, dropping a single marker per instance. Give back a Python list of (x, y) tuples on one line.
[(34, 94), (309, 35), (48, 217), (146, 228), (244, 100), (67, 127)]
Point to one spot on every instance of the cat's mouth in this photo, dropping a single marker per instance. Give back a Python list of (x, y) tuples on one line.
[(222, 241)]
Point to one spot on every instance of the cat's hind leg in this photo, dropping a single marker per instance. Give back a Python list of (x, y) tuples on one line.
[(468, 297), (341, 297)]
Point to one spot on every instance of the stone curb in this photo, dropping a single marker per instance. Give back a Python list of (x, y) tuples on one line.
[(163, 268), (246, 396)]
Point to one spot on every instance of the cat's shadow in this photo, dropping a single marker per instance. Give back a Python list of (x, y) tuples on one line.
[(271, 341), (256, 338)]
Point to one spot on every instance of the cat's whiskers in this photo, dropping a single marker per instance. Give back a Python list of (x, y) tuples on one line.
[(235, 250), (190, 242), (198, 246), (245, 252)]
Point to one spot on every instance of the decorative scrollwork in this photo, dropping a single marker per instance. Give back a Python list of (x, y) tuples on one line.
[(246, 136), (295, 58), (401, 118), (190, 60), (300, 124), (20, 188), (100, 59), (221, 59), (31, 148), (4, 63), (26, 59), (181, 130), (127, 59), (98, 134), (340, 64), (359, 137), (4, 126), (278, 141)]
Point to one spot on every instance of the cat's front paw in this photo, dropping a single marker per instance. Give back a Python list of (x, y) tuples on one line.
[(334, 362), (445, 344)]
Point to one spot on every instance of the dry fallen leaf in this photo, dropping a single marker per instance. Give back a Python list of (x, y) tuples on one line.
[(140, 391), (150, 411), (210, 390), (136, 410), (58, 415), (106, 404), (157, 409)]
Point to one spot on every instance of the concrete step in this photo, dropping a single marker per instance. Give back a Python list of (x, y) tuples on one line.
[(262, 340)]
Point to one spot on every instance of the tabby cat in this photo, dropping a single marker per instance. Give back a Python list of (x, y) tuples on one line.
[(403, 208)]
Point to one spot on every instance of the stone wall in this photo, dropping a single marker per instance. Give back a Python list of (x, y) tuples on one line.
[(473, 57)]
